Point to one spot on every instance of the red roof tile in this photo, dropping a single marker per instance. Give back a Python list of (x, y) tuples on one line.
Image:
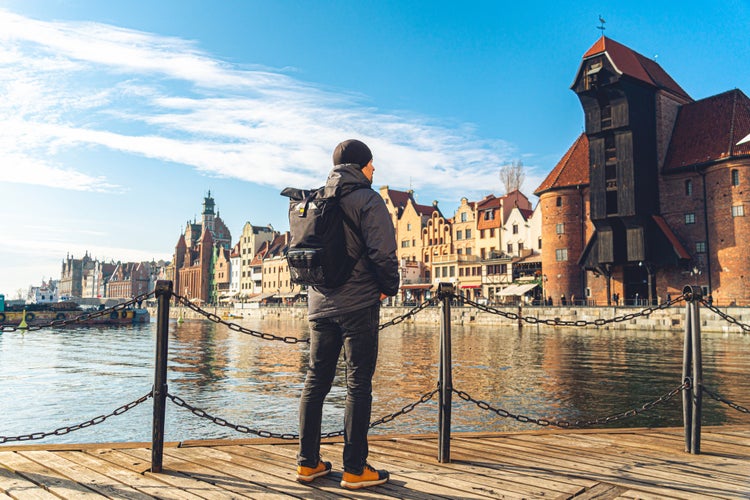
[(633, 64), (572, 170), (709, 130)]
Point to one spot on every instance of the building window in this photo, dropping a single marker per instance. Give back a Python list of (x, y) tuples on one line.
[(700, 247), (459, 234), (468, 251), (688, 188), (405, 244), (561, 254), (539, 243), (520, 246), (515, 228), (738, 211), (690, 218), (464, 216), (510, 247), (408, 226), (558, 202), (492, 232), (468, 234), (481, 233), (560, 228), (453, 271), (735, 177)]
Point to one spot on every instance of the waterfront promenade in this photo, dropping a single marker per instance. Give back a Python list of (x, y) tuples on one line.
[(561, 464), (668, 319)]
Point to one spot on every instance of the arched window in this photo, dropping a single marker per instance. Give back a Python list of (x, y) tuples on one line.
[(688, 188), (735, 177)]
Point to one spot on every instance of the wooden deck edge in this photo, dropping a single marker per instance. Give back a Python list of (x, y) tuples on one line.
[(372, 437)]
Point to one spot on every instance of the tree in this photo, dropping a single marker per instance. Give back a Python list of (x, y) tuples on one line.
[(512, 176)]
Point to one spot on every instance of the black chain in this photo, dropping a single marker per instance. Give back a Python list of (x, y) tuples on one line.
[(289, 340), (718, 398), (81, 318), (408, 314), (65, 430), (579, 323), (730, 319), (565, 424), (238, 328), (267, 434)]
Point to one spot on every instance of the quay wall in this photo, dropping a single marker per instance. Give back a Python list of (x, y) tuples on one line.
[(668, 319)]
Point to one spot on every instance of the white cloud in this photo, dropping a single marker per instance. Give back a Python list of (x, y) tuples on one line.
[(76, 85)]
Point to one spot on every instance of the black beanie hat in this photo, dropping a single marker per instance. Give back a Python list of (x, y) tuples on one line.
[(352, 151)]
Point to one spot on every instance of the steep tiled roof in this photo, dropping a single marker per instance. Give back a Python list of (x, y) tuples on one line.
[(633, 64), (399, 198), (426, 209), (572, 170), (710, 130)]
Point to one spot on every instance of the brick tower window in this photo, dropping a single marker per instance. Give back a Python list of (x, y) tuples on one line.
[(735, 177), (688, 188)]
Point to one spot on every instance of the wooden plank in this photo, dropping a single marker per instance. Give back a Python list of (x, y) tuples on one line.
[(137, 480), (653, 464), (496, 471), (136, 459), (572, 465), (273, 473), (93, 480), (45, 477), (602, 491), (465, 485), (19, 488), (632, 468), (470, 479)]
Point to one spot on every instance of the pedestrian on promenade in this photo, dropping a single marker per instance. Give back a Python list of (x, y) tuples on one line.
[(348, 317)]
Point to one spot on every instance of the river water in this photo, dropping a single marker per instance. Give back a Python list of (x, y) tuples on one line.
[(60, 378)]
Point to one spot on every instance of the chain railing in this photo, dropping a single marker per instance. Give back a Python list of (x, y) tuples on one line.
[(268, 434), (726, 317), (288, 339), (579, 424), (692, 382), (61, 431), (80, 319), (647, 311)]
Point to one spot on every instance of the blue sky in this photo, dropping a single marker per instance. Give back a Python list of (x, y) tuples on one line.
[(116, 118)]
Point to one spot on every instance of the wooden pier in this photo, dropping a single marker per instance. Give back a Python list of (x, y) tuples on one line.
[(581, 464)]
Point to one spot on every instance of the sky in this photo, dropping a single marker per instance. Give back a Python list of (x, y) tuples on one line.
[(117, 118)]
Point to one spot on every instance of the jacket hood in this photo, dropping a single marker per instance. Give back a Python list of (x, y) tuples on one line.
[(345, 178)]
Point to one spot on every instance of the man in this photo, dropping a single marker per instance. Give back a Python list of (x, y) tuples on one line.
[(348, 317)]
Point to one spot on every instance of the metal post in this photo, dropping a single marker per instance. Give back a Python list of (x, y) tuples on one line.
[(693, 370), (687, 363), (445, 382), (163, 295)]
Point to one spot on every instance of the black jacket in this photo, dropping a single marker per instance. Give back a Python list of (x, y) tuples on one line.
[(376, 271)]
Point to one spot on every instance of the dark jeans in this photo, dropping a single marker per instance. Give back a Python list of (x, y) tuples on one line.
[(357, 333)]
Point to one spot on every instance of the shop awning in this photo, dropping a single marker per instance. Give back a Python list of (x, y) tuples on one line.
[(288, 295), (519, 290), (262, 296), (416, 286)]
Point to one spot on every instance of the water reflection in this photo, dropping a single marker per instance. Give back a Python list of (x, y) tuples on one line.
[(54, 378)]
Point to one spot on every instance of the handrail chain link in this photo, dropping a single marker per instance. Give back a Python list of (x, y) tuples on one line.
[(61, 431), (724, 316), (288, 339), (720, 399), (559, 322), (565, 424), (262, 433)]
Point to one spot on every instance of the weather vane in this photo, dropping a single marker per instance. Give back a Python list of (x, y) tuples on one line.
[(601, 20)]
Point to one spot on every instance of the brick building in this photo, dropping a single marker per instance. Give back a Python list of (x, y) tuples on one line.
[(192, 267), (129, 279), (651, 197)]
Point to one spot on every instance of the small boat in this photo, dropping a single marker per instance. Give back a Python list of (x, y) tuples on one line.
[(42, 314)]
